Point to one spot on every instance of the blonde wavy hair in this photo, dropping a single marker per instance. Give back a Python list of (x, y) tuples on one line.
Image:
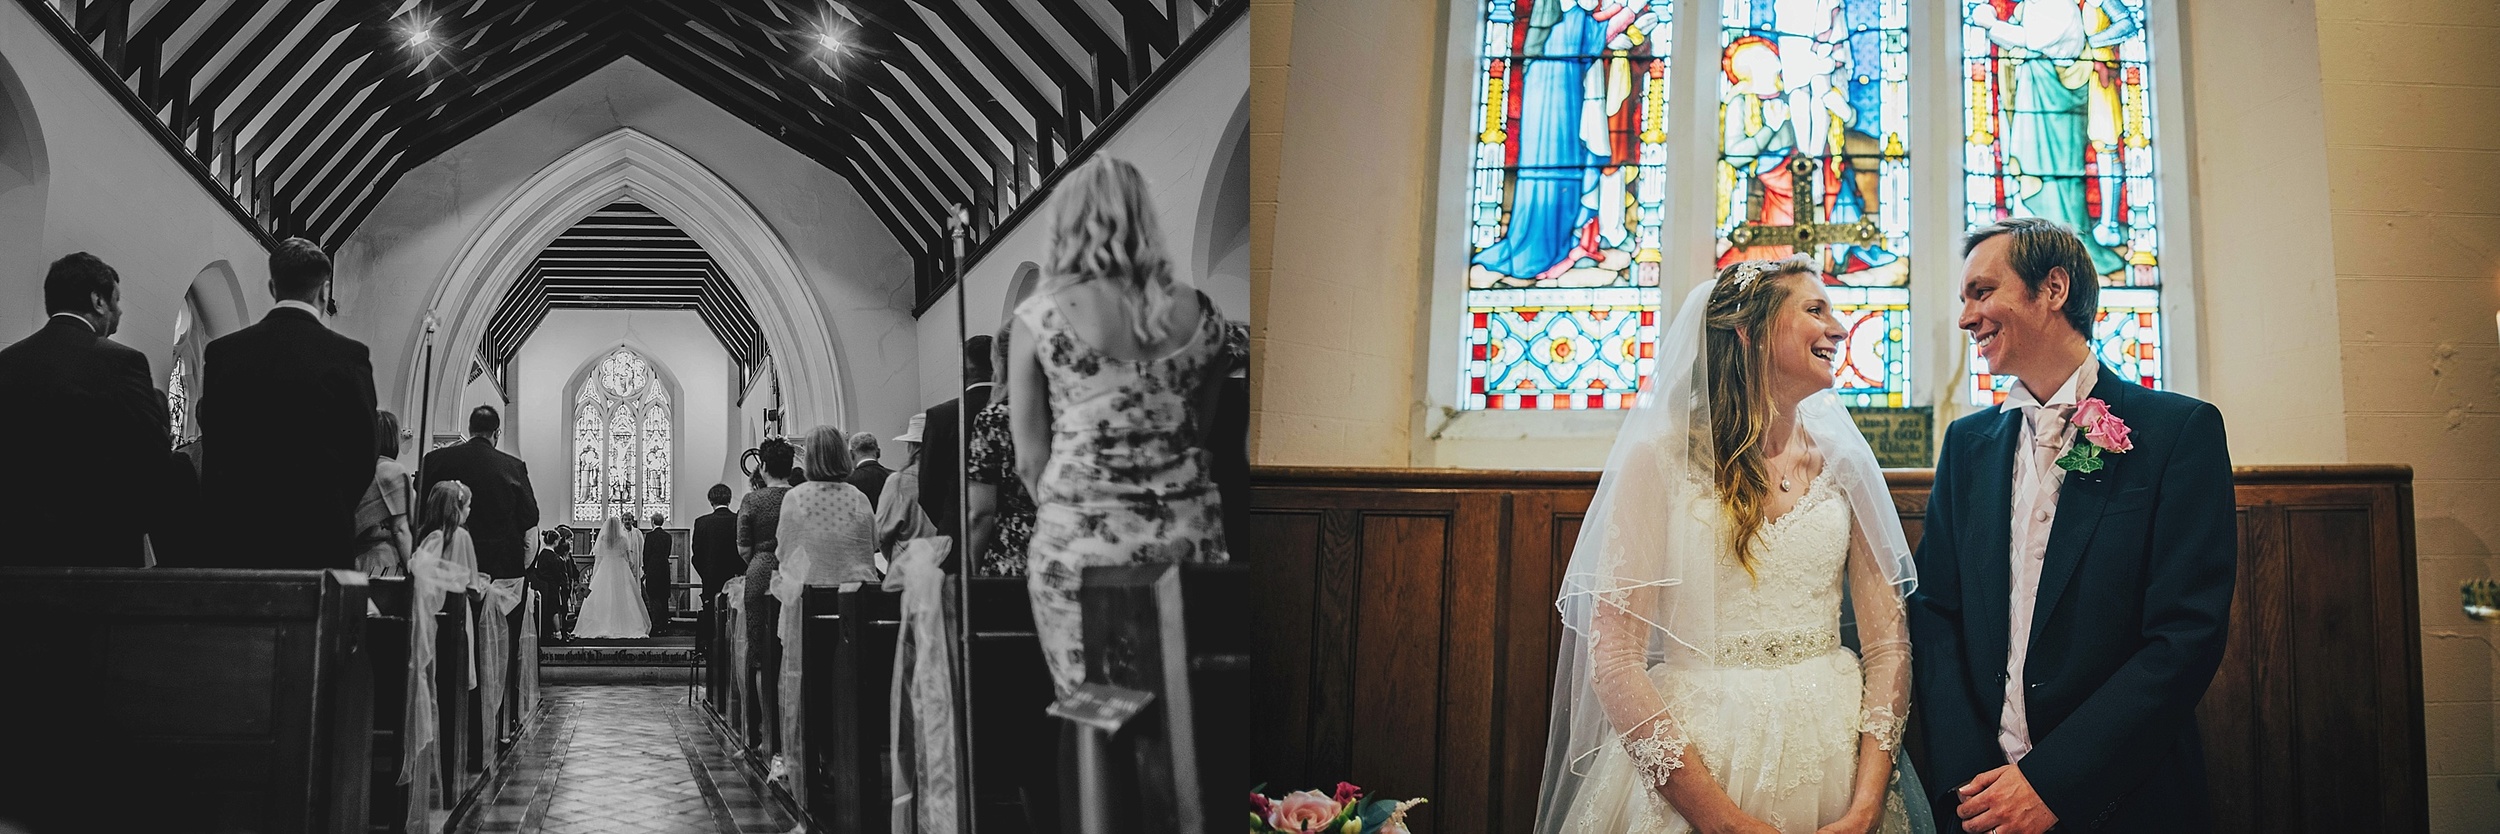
[(1748, 295), (1104, 229)]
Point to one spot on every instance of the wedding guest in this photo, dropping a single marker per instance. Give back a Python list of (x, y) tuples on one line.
[(759, 521), (383, 539), (899, 514), (828, 517), (444, 531), (505, 508), (714, 543), (942, 467), (552, 575), (1002, 512), (83, 412), (1228, 439), (868, 474), (1115, 370), (291, 405), (657, 580)]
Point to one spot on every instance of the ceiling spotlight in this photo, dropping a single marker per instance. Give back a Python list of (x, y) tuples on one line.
[(829, 41), (418, 35)]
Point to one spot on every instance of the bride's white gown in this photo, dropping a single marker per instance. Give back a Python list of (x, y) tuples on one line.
[(1777, 721), (614, 608)]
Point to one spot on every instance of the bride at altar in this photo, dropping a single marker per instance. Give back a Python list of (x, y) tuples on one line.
[(1703, 684), (614, 608)]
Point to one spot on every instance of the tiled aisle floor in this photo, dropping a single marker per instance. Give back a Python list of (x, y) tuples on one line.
[(625, 760)]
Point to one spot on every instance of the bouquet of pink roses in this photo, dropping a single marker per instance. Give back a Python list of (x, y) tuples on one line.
[(1312, 812)]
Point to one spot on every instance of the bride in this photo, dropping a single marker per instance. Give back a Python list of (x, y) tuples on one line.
[(1702, 683), (614, 608)]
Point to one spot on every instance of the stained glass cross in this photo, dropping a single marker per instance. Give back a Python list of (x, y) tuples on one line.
[(1806, 233)]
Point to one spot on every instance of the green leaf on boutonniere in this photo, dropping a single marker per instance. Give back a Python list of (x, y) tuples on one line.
[(2084, 457)]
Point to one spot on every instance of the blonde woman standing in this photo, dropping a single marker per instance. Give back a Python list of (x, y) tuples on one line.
[(1115, 368)]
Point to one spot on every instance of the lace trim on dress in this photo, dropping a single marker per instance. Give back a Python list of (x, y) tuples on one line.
[(1881, 723), (1657, 755), (1774, 648)]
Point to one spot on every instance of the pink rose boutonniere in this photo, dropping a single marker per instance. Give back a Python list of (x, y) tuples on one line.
[(2102, 432)]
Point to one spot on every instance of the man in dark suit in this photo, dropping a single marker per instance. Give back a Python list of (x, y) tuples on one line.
[(502, 507), (83, 414), (656, 582), (2075, 579), (552, 575), (715, 546), (942, 450), (287, 407), (869, 474)]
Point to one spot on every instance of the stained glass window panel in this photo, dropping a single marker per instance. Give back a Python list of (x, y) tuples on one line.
[(1568, 193), (1560, 349), (1874, 367), (589, 465), (178, 398), (622, 471), (655, 469), (2058, 123), (1813, 117)]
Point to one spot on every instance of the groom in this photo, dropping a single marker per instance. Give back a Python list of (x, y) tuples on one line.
[(2075, 584)]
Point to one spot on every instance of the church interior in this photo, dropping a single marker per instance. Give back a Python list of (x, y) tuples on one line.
[(2299, 222), (653, 237)]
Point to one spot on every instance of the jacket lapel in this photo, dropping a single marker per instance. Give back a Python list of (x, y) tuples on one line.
[(1987, 575), (2079, 503)]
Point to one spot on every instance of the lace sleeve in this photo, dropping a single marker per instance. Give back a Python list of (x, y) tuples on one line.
[(1883, 648), (1620, 668), (1620, 638)]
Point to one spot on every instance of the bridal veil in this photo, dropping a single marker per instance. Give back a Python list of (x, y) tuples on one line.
[(1647, 552)]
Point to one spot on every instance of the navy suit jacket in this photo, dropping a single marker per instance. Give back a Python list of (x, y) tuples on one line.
[(83, 421), (286, 420), (2134, 603)]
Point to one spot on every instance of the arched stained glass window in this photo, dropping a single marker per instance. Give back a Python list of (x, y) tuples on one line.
[(1567, 204), (622, 427), (1813, 120), (2058, 123)]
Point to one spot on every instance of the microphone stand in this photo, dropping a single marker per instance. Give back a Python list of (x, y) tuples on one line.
[(958, 235)]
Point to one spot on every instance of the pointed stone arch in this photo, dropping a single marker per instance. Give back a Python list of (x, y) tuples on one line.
[(630, 163)]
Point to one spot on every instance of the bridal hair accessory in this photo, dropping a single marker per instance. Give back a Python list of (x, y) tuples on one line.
[(1312, 812), (2102, 432)]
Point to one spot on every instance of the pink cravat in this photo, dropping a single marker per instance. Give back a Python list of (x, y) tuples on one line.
[(2035, 510)]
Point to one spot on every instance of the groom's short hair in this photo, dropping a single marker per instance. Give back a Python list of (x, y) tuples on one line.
[(2037, 245)]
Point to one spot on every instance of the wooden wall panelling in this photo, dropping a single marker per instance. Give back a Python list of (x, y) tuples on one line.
[(1410, 638)]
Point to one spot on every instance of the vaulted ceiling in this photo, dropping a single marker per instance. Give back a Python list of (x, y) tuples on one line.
[(305, 112)]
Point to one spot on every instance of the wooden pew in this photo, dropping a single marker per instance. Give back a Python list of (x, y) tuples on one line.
[(386, 643), (847, 680), (1406, 638), (452, 697), (179, 700), (1175, 632), (852, 630)]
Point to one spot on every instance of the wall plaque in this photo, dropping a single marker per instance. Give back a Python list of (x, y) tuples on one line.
[(1904, 438)]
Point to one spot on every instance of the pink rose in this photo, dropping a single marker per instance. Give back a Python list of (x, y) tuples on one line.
[(1303, 811), (2090, 412), (2111, 434), (1347, 792)]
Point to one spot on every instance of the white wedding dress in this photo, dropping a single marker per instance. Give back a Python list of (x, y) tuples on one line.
[(614, 608), (1777, 719)]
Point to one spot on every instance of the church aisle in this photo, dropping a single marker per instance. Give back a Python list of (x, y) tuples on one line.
[(628, 760)]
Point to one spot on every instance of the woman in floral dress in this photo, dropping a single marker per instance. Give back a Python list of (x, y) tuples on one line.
[(1002, 512), (1113, 373)]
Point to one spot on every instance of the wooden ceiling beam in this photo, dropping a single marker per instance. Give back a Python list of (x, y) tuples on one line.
[(1046, 111), (753, 77), (478, 116), (786, 63), (345, 16), (265, 41)]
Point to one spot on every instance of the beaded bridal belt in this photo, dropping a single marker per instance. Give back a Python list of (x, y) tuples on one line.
[(1774, 648)]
